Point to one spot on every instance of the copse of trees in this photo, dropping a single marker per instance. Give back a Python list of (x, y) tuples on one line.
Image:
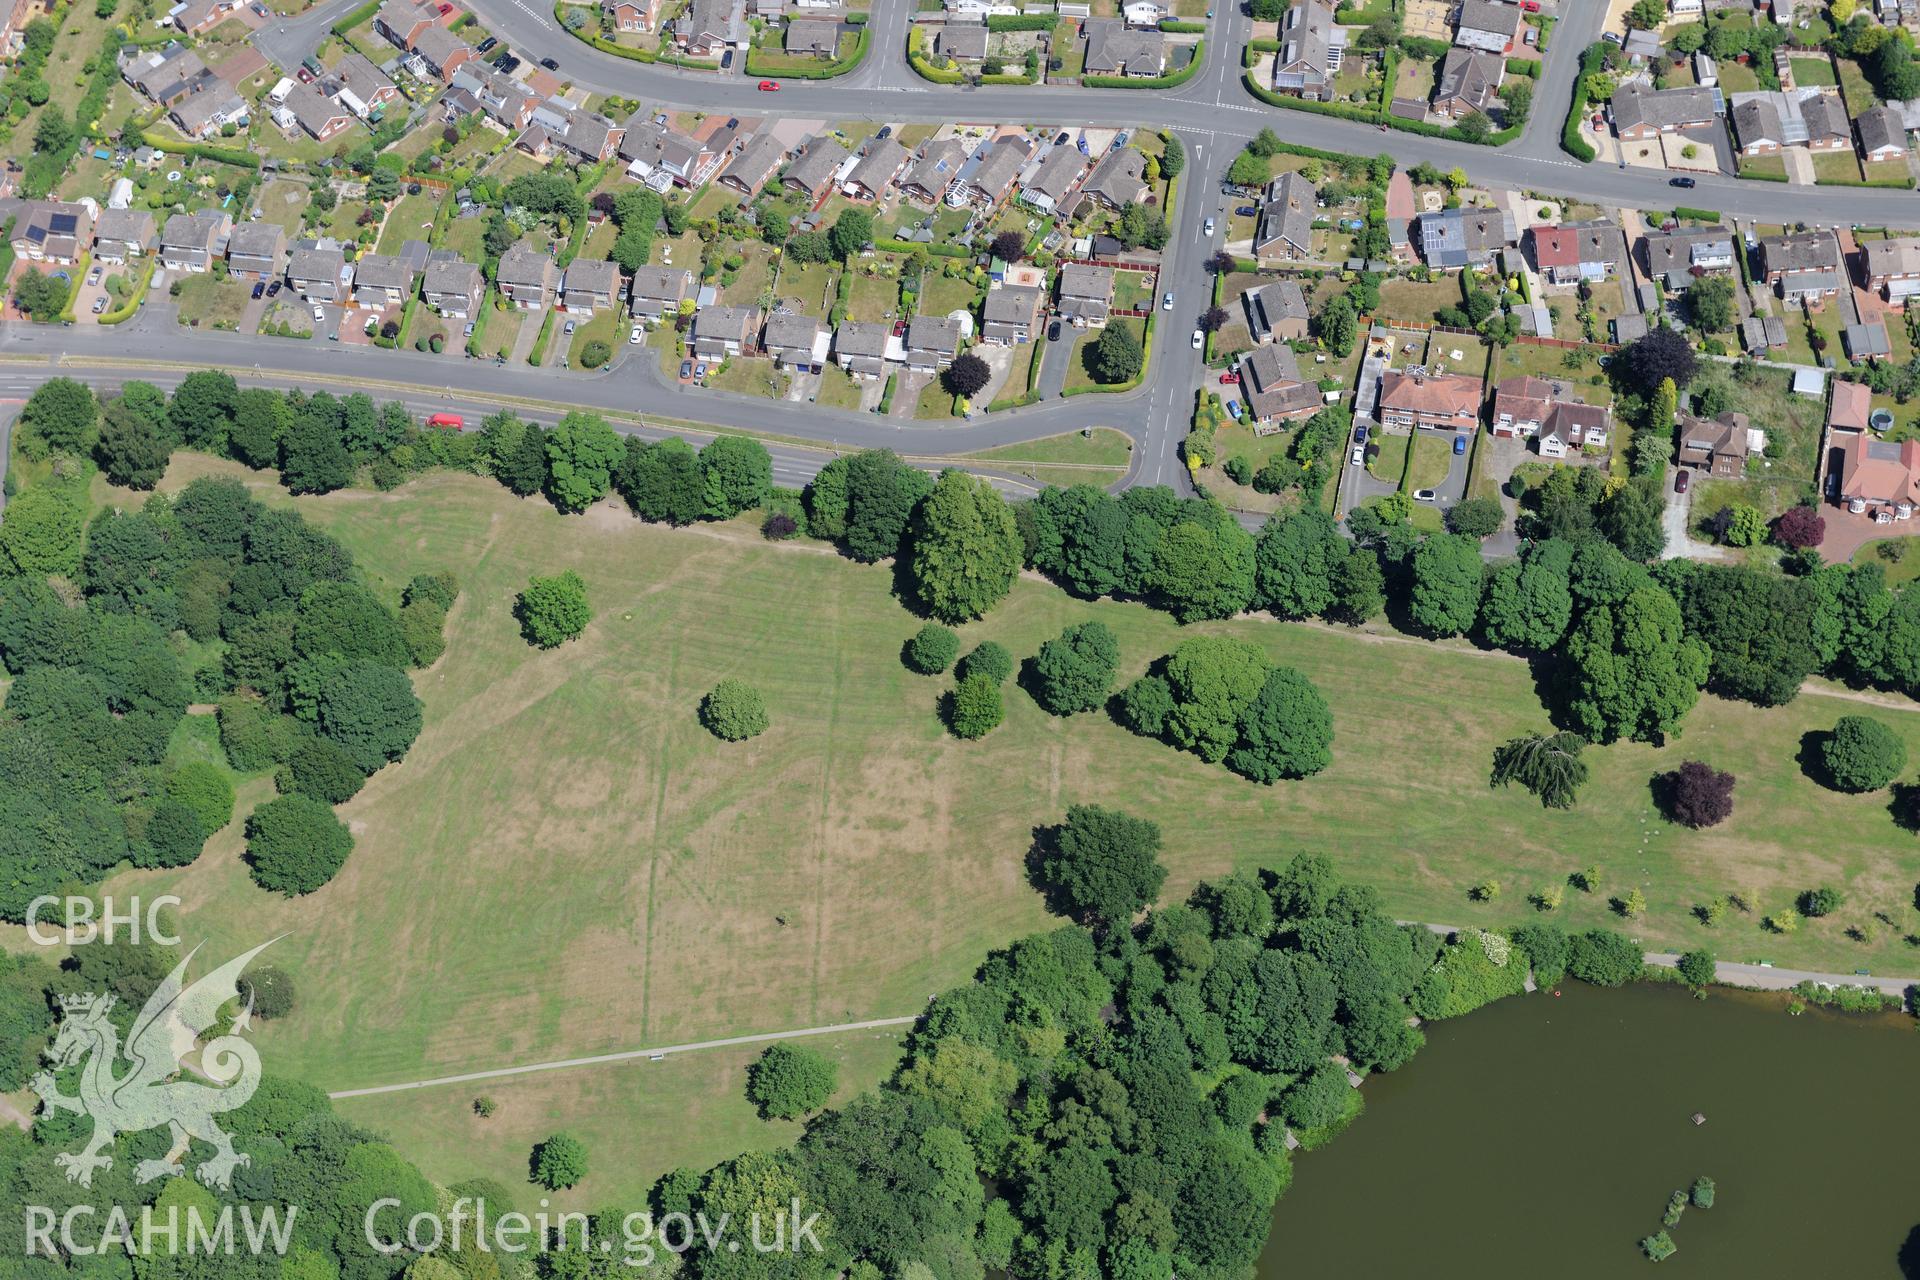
[(1221, 699)]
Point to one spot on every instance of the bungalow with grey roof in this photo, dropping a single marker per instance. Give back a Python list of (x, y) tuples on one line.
[(1883, 134), (307, 109), (1271, 384), (1115, 49), (961, 41), (1284, 232), (934, 168), (165, 75), (443, 52), (708, 26), (810, 36), (1118, 180), (383, 280), (1312, 48), (1804, 266), (1276, 311), (1053, 180), (1641, 112), (755, 164), (1490, 25), (988, 176), (206, 113)]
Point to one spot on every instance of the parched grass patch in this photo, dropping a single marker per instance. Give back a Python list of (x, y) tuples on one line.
[(210, 303), (411, 218), (1105, 448), (750, 376)]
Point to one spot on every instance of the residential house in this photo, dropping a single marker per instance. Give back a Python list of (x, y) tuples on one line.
[(453, 288), (1851, 408), (1718, 446), (1276, 311), (320, 274), (709, 26), (1489, 25), (1271, 386), (812, 175), (1011, 314), (1879, 479), (1683, 9), (657, 292), (1086, 295), (401, 22), (443, 52), (1641, 112), (121, 235), (313, 113), (383, 280), (1550, 414), (585, 137), (723, 332), (197, 17), (361, 87), (934, 168), (1892, 267), (1677, 258), (525, 277), (1463, 237), (754, 164), (1436, 402), (1757, 124), (864, 349), (504, 101), (811, 37), (191, 241), (13, 34), (878, 168), (164, 75), (1576, 251), (256, 250), (796, 341), (1883, 134), (1469, 83), (663, 157), (961, 41), (590, 285), (1118, 180), (988, 176), (1146, 13), (630, 15), (204, 114), (1312, 47), (1115, 49), (1804, 266), (52, 231), (932, 342), (1053, 180), (1828, 128), (1284, 232)]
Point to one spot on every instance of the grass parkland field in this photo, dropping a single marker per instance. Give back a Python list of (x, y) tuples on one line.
[(567, 864)]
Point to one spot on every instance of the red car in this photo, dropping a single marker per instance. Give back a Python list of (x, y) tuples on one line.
[(1680, 481), (1229, 379), (769, 86), (446, 421)]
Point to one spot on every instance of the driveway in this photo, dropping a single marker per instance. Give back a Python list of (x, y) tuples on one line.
[(1677, 520), (1056, 362), (1799, 164)]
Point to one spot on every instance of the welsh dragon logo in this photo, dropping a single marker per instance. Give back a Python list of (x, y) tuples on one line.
[(152, 1092)]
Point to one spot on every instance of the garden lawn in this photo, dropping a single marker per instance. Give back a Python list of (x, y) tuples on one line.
[(1404, 299), (567, 863), (1077, 374), (935, 401), (873, 299), (941, 294), (749, 376), (211, 303), (754, 276), (1432, 458), (411, 218), (1840, 168), (605, 327), (1855, 88), (1390, 463), (1813, 71), (838, 390), (1105, 448)]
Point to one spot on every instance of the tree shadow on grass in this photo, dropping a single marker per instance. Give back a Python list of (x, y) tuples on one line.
[(1045, 843), (1812, 757), (1905, 808), (1909, 1255)]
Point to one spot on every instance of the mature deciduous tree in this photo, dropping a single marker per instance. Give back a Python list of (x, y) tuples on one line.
[(965, 549), (1075, 671), (553, 610), (296, 844), (1104, 863)]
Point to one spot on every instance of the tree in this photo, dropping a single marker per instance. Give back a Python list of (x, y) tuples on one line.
[(560, 1162), (553, 610), (1295, 559), (1213, 319), (1549, 765), (1476, 517), (1631, 670), (1248, 169), (1800, 527), (295, 845), (42, 296), (663, 481), (371, 710), (582, 451), (1446, 584), (1337, 325), (787, 1082), (260, 418), (1103, 863), (1527, 606), (733, 711), (1359, 587), (1663, 353), (852, 231), (1633, 518), (882, 492), (1115, 356), (1474, 127), (1140, 227), (1287, 732), (41, 533), (202, 408), (976, 709), (1710, 303), (269, 991), (1862, 754), (1517, 94), (965, 548), (1212, 681), (204, 791), (1075, 671), (135, 443), (967, 376), (312, 457), (1009, 246), (322, 768), (1174, 158), (1204, 567), (1605, 958), (931, 649), (737, 474), (987, 659), (61, 412), (1815, 903), (1696, 795)]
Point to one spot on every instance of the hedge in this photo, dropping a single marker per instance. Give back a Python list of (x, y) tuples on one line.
[(1528, 67), (1571, 142), (939, 250), (1169, 81), (605, 45), (916, 39), (1683, 212), (1758, 176), (1371, 115), (480, 321), (1021, 22), (826, 70), (1184, 28), (354, 19), (201, 150), (126, 312), (73, 289)]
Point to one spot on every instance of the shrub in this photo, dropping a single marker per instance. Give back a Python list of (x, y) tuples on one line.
[(553, 610), (987, 659), (1823, 901), (1605, 958), (779, 526), (788, 1082), (1074, 671), (269, 990), (1702, 1193), (204, 789), (296, 844), (734, 711), (976, 710), (932, 649), (1862, 754), (1147, 703), (595, 354), (1697, 967)]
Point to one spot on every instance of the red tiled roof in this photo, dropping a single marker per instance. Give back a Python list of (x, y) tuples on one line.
[(1852, 402), (1556, 247)]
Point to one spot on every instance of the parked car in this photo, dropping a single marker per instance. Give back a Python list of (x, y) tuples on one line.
[(1199, 339), (699, 371), (1459, 445), (769, 86), (260, 289), (1166, 303), (726, 60), (1423, 495), (93, 276), (1359, 455), (686, 370), (1233, 407), (100, 304), (1053, 332), (319, 312), (1247, 211), (488, 45), (1229, 378), (1359, 435), (273, 288), (567, 331), (639, 332), (468, 332), (1681, 182), (549, 64), (1681, 479)]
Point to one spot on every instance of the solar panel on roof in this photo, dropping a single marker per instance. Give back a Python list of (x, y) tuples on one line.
[(63, 224)]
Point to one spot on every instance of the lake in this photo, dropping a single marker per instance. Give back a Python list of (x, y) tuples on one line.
[(1542, 1136)]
